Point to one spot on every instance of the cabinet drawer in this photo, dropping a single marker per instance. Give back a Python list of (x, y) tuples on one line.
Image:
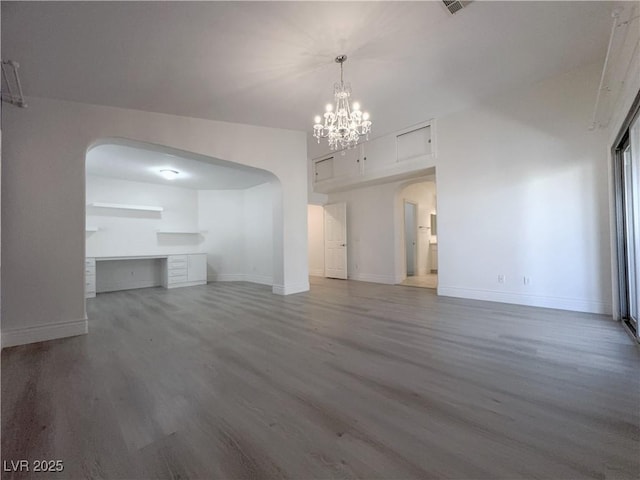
[(90, 283), (171, 259), (89, 270), (90, 262), (177, 272), (177, 279)]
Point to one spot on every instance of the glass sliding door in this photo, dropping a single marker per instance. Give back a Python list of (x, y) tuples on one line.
[(627, 179), (632, 194)]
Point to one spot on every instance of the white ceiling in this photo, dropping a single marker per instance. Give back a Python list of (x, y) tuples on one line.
[(144, 164), (271, 63)]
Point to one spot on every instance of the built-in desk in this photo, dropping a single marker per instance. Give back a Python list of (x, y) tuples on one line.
[(176, 270)]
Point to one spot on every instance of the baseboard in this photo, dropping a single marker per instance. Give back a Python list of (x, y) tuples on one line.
[(241, 277), (373, 278), (560, 303), (260, 279), (118, 286), (291, 288), (317, 273), (227, 277), (186, 284), (41, 333)]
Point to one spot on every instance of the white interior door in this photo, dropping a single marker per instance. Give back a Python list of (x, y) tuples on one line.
[(335, 240)]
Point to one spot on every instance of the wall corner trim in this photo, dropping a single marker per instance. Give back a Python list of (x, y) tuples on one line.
[(291, 288), (42, 333)]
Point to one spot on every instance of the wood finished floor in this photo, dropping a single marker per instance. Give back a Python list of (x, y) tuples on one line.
[(430, 280), (349, 380)]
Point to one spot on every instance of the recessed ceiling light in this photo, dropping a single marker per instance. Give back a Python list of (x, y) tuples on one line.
[(169, 174)]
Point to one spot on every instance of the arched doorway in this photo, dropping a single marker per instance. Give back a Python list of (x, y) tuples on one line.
[(146, 201), (416, 233)]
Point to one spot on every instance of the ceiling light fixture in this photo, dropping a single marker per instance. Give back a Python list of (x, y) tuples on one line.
[(344, 125), (169, 174)]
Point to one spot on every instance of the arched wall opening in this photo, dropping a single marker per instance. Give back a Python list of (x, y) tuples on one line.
[(421, 193), (46, 215), (228, 211)]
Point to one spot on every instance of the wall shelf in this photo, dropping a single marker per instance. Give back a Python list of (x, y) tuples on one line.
[(181, 232), (120, 206)]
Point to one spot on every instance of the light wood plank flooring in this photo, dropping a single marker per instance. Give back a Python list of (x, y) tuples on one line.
[(349, 380), (429, 280)]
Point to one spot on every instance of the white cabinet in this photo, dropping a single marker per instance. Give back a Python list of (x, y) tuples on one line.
[(379, 154), (186, 270), (398, 155), (177, 271), (338, 166), (89, 277), (197, 268), (413, 142)]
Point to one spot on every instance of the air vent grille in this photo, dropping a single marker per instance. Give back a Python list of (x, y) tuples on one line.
[(455, 5), (11, 87)]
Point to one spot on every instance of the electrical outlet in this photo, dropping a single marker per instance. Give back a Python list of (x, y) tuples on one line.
[(527, 280), (501, 278)]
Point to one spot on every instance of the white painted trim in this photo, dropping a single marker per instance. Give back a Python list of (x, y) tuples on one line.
[(260, 279), (241, 277), (120, 206), (317, 272), (227, 277), (42, 333), (561, 303), (186, 284), (127, 285), (181, 232), (291, 288), (373, 278)]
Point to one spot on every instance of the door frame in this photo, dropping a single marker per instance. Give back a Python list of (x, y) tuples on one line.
[(344, 243), (619, 248)]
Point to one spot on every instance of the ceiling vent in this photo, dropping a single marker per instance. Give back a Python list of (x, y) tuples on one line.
[(455, 5), (11, 91)]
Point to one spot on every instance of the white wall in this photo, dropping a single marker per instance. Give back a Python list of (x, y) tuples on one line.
[(130, 232), (43, 201), (258, 233), (221, 215), (315, 219), (240, 239), (371, 232), (135, 233), (522, 191)]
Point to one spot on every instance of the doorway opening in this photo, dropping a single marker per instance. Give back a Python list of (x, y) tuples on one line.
[(157, 216), (419, 233)]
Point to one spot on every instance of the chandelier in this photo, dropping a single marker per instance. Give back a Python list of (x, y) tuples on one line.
[(344, 124)]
